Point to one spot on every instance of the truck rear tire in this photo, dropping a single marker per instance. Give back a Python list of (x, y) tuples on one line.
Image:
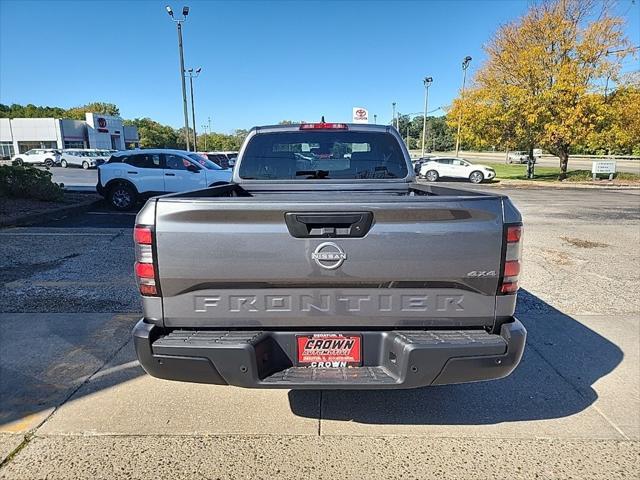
[(122, 197)]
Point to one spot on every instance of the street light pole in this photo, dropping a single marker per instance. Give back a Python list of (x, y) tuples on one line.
[(179, 21), (193, 75), (427, 83), (375, 119), (465, 65), (204, 128)]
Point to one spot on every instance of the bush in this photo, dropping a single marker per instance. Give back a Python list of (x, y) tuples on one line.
[(28, 182)]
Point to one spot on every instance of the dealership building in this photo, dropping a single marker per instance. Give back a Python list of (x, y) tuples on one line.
[(17, 135)]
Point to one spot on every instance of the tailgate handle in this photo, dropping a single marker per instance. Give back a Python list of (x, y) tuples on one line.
[(328, 225)]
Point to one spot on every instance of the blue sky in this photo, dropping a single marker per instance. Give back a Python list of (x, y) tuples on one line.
[(262, 61)]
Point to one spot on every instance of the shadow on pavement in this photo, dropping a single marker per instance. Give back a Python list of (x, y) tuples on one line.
[(43, 362), (562, 360), (44, 359)]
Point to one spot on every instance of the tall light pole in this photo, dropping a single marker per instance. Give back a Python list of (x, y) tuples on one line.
[(465, 65), (193, 74), (204, 129), (179, 21), (393, 114), (375, 119), (427, 83)]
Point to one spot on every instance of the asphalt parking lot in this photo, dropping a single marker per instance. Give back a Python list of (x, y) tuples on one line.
[(74, 403)]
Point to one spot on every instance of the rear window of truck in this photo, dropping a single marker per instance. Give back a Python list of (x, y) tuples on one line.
[(341, 155)]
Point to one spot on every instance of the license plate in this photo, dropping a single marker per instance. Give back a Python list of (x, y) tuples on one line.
[(329, 350)]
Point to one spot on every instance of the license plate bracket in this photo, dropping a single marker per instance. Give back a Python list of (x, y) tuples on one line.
[(329, 350)]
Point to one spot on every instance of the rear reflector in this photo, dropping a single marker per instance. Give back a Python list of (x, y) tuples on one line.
[(145, 270), (142, 235), (510, 287), (324, 126), (148, 290)]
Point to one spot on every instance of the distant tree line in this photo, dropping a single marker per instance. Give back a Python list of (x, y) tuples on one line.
[(76, 113), (152, 134)]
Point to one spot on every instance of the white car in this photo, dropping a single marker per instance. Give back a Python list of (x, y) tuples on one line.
[(453, 167), (82, 158), (132, 175), (519, 157), (38, 156)]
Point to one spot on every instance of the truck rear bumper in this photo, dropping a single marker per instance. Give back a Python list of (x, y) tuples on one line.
[(390, 359)]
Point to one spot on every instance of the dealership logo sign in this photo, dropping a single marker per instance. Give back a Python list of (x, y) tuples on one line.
[(329, 255), (360, 115), (102, 125)]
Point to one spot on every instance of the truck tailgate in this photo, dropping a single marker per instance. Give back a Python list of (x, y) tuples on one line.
[(235, 263)]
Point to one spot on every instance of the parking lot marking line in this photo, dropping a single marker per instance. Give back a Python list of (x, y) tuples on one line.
[(49, 234), (129, 214), (117, 368)]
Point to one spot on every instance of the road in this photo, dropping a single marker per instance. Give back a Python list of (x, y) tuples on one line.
[(628, 166), (74, 402), (79, 179)]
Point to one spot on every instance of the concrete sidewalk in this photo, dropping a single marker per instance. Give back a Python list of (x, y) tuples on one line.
[(86, 407)]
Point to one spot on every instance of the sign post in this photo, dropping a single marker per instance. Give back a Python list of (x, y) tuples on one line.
[(360, 115), (603, 167)]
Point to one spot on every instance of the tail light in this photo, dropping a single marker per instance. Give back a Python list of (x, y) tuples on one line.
[(512, 260), (145, 270), (324, 126)]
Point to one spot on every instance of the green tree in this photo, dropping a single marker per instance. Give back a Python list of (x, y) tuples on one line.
[(78, 113), (155, 135), (30, 111)]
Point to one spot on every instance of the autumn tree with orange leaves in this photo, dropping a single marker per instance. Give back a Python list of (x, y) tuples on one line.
[(545, 80)]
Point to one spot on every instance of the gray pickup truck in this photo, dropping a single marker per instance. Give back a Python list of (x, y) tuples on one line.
[(324, 265)]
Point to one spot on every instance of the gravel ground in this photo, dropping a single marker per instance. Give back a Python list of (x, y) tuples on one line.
[(17, 207)]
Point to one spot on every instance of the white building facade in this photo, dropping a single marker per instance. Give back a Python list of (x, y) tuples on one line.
[(18, 135)]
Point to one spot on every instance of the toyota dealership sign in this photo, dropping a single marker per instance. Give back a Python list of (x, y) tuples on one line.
[(360, 115)]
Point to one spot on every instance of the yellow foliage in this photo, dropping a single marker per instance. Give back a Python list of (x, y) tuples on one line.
[(544, 79)]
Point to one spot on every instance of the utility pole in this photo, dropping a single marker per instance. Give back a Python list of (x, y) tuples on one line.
[(393, 115), (427, 83), (465, 65), (185, 12), (193, 75)]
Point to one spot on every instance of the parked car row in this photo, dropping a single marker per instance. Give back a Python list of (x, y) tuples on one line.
[(51, 157), (435, 168), (224, 159), (132, 175)]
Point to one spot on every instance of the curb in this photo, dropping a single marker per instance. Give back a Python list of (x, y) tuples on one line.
[(48, 215), (570, 185)]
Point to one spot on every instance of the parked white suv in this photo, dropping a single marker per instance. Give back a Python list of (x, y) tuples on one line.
[(132, 175), (38, 156), (84, 158), (438, 167)]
